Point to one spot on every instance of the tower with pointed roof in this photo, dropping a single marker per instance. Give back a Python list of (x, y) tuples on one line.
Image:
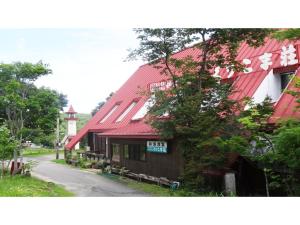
[(71, 126)]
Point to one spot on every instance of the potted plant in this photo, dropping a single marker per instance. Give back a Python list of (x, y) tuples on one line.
[(93, 164), (27, 167)]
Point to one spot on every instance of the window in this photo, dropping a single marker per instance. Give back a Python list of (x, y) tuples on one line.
[(100, 145), (122, 116), (126, 151), (144, 109), (116, 152), (109, 114), (135, 152), (285, 79)]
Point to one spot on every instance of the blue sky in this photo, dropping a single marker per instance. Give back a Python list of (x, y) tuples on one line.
[(87, 64)]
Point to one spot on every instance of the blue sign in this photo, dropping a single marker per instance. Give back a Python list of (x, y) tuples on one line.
[(157, 146)]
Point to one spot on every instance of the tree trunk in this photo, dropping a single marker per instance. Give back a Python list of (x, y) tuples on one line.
[(3, 168), (15, 162), (267, 183), (21, 158), (21, 139), (8, 164)]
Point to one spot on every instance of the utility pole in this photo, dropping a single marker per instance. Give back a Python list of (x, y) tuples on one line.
[(57, 138)]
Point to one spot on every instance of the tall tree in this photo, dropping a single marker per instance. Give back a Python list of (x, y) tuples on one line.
[(17, 79), (26, 109), (259, 134), (197, 109)]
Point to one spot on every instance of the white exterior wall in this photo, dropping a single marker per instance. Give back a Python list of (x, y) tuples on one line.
[(270, 86), (77, 146), (72, 130)]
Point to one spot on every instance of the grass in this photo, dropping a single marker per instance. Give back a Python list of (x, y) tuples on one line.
[(59, 161), (21, 186), (29, 152), (155, 190)]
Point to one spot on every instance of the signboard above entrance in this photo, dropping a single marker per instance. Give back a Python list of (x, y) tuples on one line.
[(161, 86), (157, 146)]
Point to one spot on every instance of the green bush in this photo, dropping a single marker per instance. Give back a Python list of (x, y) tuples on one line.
[(286, 161), (68, 157), (287, 144)]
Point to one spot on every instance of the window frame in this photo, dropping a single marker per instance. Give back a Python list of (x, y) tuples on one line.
[(116, 157), (111, 111), (125, 112), (289, 78), (135, 152), (143, 111)]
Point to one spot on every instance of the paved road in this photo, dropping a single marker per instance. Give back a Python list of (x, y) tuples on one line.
[(82, 183)]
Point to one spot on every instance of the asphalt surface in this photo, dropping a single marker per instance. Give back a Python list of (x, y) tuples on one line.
[(80, 182)]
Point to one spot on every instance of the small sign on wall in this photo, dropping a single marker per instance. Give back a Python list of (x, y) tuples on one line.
[(157, 146)]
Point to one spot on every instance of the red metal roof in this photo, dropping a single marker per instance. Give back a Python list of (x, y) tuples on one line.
[(131, 90)]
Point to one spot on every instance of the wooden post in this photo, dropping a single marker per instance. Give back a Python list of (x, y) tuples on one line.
[(230, 187), (106, 147), (57, 138)]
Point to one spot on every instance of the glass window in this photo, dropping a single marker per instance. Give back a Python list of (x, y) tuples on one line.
[(116, 152), (109, 114), (144, 109), (142, 152), (126, 151), (122, 116), (285, 79), (135, 152)]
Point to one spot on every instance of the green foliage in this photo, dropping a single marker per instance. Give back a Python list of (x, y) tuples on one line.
[(29, 112), (7, 144), (255, 123), (234, 144), (7, 147), (287, 124), (28, 167), (37, 152), (295, 90), (85, 164), (68, 156), (24, 72), (59, 161), (292, 33), (287, 144), (278, 154), (285, 161), (197, 106), (47, 140)]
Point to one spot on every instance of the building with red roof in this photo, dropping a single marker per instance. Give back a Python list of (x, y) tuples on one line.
[(119, 132)]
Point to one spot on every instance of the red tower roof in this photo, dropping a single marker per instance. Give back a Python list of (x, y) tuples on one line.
[(71, 110)]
